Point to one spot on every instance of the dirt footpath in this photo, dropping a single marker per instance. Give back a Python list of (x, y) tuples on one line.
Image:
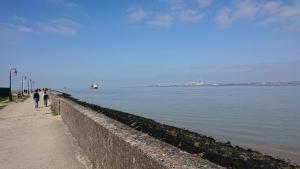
[(35, 139)]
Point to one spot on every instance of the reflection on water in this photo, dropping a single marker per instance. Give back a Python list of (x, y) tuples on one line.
[(264, 118)]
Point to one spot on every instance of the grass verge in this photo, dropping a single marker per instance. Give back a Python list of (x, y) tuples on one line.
[(3, 98), (54, 111), (4, 101), (20, 99)]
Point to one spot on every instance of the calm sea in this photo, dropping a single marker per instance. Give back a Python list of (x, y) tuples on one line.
[(265, 118)]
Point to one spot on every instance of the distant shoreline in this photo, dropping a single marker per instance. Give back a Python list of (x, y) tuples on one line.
[(197, 84), (221, 153)]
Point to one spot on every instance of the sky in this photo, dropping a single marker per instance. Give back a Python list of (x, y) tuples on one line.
[(74, 43)]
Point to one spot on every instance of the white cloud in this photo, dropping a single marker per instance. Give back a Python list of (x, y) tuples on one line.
[(62, 26), (224, 16), (11, 28), (66, 3), (161, 20), (182, 11), (175, 4), (153, 18), (246, 10), (282, 14), (189, 15), (285, 15), (271, 7), (22, 28), (135, 15), (19, 18), (18, 24), (71, 4), (276, 12), (176, 10), (203, 3)]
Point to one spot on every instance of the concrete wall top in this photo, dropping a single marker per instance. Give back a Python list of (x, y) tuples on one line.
[(164, 154)]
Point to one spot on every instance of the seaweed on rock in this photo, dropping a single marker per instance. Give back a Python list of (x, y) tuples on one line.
[(223, 154)]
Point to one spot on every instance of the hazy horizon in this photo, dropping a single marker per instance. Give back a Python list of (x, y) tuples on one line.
[(70, 43)]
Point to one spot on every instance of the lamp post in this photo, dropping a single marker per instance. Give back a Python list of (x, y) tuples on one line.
[(15, 72), (23, 79), (31, 82), (28, 87)]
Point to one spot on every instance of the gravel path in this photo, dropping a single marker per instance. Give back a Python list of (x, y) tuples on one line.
[(35, 139)]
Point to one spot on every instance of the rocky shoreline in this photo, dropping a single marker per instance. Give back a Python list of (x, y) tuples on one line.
[(223, 154)]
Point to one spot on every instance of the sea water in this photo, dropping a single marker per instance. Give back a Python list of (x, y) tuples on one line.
[(264, 118)]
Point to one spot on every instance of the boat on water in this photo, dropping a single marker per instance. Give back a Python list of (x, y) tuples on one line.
[(94, 86)]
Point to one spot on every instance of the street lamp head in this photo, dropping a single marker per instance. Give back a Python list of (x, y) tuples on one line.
[(15, 71)]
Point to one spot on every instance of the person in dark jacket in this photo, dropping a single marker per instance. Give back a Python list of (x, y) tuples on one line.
[(36, 98), (46, 97)]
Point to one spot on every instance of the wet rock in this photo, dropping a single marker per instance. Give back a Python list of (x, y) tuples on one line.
[(196, 144), (220, 153), (133, 124)]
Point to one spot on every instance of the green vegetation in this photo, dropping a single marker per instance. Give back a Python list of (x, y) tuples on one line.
[(4, 101), (54, 111), (20, 99), (3, 98)]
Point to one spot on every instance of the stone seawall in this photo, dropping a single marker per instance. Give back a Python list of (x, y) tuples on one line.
[(110, 144)]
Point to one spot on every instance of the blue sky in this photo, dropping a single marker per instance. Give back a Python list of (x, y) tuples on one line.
[(140, 42)]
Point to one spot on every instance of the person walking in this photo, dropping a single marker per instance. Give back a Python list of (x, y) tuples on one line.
[(46, 97), (36, 98)]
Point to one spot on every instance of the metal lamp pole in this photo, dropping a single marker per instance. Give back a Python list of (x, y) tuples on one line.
[(15, 72), (23, 77), (28, 87), (31, 81)]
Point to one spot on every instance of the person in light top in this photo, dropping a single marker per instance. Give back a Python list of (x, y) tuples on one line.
[(46, 97)]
